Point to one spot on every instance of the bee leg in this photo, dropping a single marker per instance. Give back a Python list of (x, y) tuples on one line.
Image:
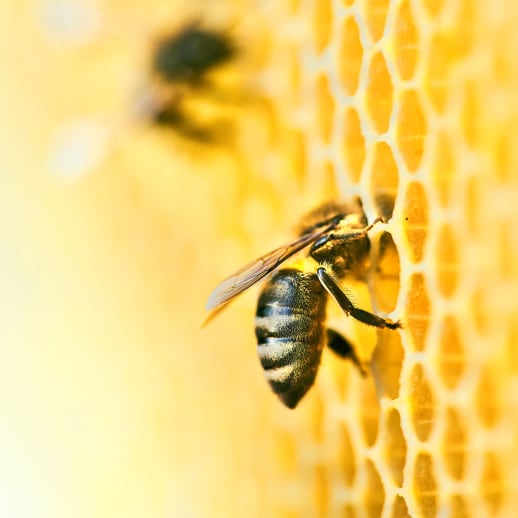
[(343, 348), (349, 308)]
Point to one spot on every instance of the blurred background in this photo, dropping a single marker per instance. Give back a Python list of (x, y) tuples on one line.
[(114, 401), (114, 231)]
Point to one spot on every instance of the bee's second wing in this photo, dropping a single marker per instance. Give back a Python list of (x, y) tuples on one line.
[(256, 270)]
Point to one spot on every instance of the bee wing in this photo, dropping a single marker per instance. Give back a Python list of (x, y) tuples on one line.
[(256, 270)]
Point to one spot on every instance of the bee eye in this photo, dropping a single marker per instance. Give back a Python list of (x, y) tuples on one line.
[(338, 219)]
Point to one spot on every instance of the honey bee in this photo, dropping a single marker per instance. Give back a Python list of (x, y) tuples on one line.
[(188, 56), (291, 310), (180, 66)]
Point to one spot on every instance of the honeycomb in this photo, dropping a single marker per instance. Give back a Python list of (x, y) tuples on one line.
[(409, 103), (115, 402)]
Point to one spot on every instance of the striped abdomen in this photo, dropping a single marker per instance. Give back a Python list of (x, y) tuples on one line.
[(289, 326)]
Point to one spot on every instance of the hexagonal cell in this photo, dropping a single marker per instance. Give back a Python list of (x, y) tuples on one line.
[(374, 496), (354, 145), (437, 68), (317, 410), (473, 197), (470, 114), (375, 17), (370, 412), (385, 266), (422, 407), (326, 107), (491, 483), (417, 311), (425, 486), (379, 94), (297, 153), (478, 302), (294, 72), (415, 224), (487, 398), (384, 179), (347, 456), (321, 491), (262, 54), (454, 444), (322, 20), (327, 182), (386, 362), (267, 121), (511, 341), (458, 507), (399, 508), (411, 130), (433, 6), (447, 261), (504, 163), (505, 249), (464, 28), (405, 41), (443, 168), (285, 452), (395, 446), (350, 55), (341, 374), (451, 353)]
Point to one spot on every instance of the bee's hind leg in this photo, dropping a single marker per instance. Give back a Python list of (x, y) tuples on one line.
[(349, 308), (343, 348)]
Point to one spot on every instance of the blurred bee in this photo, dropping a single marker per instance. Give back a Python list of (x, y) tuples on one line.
[(179, 77), (291, 311), (188, 55), (180, 67)]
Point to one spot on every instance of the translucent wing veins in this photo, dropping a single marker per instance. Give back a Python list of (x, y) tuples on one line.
[(258, 269)]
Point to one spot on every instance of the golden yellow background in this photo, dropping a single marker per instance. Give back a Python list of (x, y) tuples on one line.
[(115, 403)]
